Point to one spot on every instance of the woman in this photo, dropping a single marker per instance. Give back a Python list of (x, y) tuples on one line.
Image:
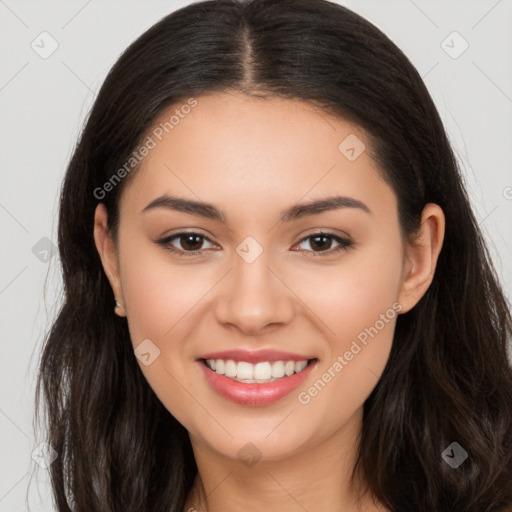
[(276, 293)]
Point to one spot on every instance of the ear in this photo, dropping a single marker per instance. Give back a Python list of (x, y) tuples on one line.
[(108, 254), (421, 257)]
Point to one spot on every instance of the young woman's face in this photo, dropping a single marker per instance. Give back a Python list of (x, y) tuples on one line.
[(323, 285)]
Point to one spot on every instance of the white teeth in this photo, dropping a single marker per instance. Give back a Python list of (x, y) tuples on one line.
[(260, 372), (278, 369), (244, 370), (300, 365), (289, 368), (230, 368)]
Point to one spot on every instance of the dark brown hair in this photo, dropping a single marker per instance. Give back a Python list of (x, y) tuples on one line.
[(447, 379)]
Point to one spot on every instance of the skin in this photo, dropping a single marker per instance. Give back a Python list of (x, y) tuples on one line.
[(253, 158)]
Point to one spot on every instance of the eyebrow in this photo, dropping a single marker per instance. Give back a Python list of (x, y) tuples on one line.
[(209, 211)]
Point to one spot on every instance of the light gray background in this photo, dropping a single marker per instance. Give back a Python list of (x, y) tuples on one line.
[(43, 103)]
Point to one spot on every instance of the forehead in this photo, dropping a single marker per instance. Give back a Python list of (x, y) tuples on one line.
[(231, 148)]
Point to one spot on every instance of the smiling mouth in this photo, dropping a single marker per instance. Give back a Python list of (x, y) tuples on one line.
[(259, 373)]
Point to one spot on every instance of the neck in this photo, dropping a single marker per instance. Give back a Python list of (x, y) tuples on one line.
[(316, 477)]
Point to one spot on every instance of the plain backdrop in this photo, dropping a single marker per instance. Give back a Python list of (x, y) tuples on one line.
[(45, 98)]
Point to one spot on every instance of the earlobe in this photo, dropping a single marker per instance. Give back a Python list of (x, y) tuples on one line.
[(421, 257), (108, 255)]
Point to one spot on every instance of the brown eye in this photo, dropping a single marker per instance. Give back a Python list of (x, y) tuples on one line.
[(191, 242), (185, 244), (321, 243)]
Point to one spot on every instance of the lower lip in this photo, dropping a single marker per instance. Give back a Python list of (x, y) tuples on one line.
[(255, 394)]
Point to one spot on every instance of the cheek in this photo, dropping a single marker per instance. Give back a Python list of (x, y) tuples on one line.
[(342, 298), (342, 302), (159, 293), (357, 304), (369, 293), (350, 295), (160, 298)]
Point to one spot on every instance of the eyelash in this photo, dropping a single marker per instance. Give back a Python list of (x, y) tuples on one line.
[(344, 244)]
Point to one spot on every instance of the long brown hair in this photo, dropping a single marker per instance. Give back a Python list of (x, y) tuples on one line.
[(448, 378)]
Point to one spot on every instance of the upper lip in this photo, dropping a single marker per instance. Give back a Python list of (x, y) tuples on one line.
[(256, 356)]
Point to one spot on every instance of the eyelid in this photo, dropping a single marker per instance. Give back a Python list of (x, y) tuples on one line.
[(166, 240), (325, 231), (344, 243)]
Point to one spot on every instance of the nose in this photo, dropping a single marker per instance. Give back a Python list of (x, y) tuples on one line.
[(254, 298)]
